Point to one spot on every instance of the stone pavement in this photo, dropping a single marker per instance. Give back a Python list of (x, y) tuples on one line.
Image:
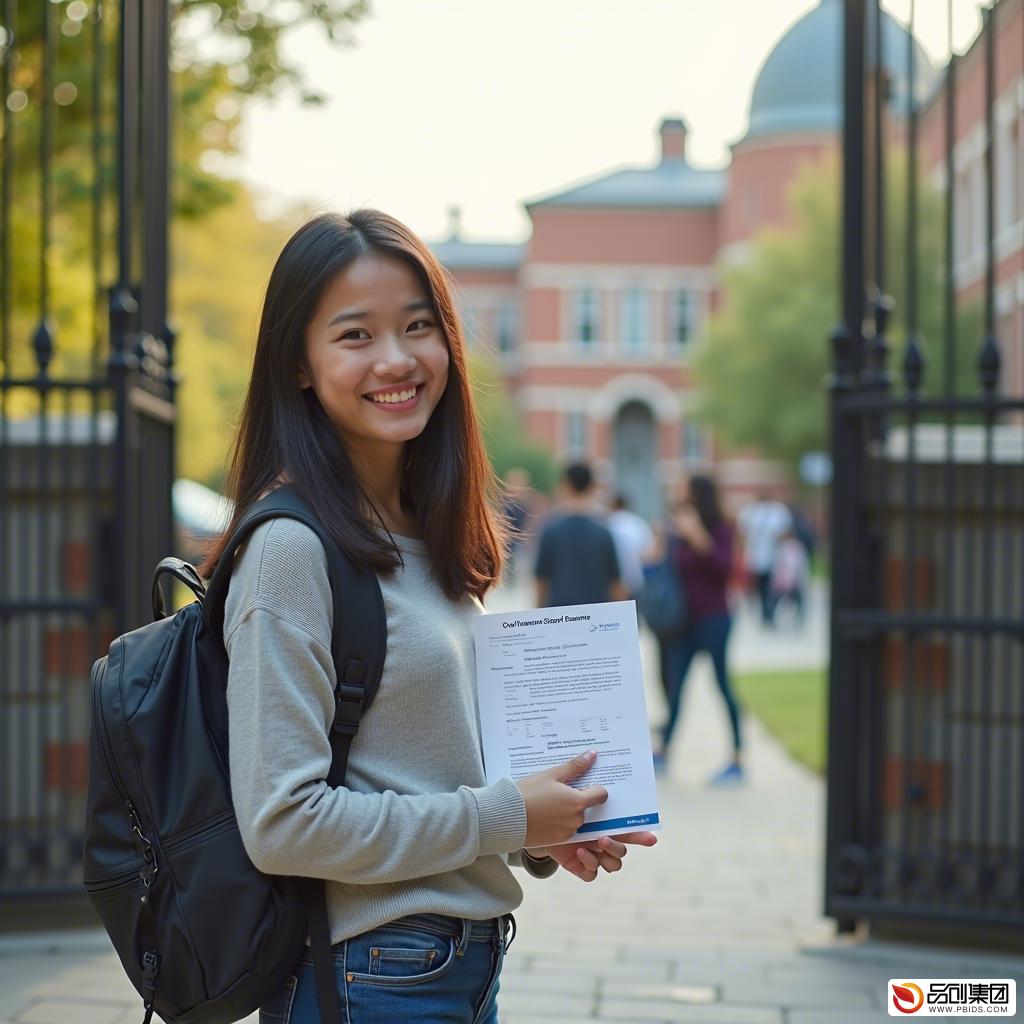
[(720, 923)]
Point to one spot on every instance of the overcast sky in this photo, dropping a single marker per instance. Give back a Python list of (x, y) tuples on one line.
[(487, 103)]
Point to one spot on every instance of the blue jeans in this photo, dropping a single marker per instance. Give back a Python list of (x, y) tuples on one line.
[(425, 967), (709, 634)]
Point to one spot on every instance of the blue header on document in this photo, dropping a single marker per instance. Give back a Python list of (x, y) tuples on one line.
[(633, 821)]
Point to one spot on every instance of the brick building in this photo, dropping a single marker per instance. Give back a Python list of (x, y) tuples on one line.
[(969, 179), (594, 317)]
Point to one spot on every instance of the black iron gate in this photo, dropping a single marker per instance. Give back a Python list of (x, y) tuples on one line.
[(86, 392), (926, 730)]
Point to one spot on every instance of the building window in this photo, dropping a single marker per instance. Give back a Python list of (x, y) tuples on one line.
[(682, 317), (961, 218), (1009, 171), (693, 442), (634, 320), (576, 434), (587, 316), (977, 197), (508, 328)]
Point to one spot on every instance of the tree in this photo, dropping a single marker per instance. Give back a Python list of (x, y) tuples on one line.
[(216, 299), (761, 372), (223, 54), (504, 436)]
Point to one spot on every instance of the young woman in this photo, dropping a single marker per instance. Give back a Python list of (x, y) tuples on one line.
[(360, 398), (705, 558)]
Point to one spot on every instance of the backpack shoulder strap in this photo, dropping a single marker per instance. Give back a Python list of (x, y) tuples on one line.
[(359, 638), (358, 645)]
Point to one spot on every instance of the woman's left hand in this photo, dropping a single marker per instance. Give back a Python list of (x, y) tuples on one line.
[(586, 859)]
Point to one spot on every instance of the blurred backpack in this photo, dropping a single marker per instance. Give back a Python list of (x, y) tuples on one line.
[(203, 935), (662, 600)]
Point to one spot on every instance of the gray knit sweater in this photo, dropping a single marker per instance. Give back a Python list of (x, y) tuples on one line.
[(416, 828)]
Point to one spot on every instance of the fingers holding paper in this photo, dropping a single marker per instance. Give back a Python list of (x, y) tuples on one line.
[(554, 810), (586, 860)]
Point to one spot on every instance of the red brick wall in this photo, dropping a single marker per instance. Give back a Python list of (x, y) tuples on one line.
[(543, 312), (624, 236), (759, 176), (488, 278), (970, 85)]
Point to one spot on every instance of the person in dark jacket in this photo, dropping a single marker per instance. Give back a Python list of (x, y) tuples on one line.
[(576, 560), (705, 559)]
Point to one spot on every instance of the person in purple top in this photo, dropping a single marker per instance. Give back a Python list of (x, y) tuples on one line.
[(705, 559)]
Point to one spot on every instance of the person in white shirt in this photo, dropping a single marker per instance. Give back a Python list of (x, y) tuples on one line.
[(633, 539), (789, 575), (763, 523)]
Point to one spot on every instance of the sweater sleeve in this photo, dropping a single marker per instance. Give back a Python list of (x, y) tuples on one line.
[(280, 694), (539, 867)]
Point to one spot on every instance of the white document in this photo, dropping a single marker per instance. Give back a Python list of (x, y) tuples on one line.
[(554, 682)]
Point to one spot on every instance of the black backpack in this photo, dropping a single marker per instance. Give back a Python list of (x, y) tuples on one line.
[(203, 935), (662, 601)]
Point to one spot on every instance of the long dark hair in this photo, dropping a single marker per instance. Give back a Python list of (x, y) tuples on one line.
[(447, 481), (704, 495)]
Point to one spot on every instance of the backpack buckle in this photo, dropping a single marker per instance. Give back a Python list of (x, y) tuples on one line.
[(348, 708)]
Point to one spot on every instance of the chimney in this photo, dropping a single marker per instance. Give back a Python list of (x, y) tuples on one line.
[(673, 139), (454, 221)]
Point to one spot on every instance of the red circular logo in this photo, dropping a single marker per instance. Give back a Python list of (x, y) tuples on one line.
[(908, 997)]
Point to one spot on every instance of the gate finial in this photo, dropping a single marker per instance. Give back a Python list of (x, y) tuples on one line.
[(42, 344), (913, 365), (989, 364)]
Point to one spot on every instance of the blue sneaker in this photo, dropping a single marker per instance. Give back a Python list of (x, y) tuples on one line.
[(729, 776)]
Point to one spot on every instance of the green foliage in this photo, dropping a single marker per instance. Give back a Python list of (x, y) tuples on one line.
[(223, 53), (504, 435), (762, 370), (216, 295), (229, 33)]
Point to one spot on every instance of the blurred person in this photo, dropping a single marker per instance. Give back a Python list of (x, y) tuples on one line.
[(803, 530), (633, 540), (705, 555), (762, 523), (576, 560), (661, 565), (518, 512), (789, 575)]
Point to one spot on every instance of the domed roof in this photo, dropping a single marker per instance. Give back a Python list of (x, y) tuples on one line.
[(800, 85)]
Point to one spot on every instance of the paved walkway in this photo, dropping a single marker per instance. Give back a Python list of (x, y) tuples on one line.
[(719, 924)]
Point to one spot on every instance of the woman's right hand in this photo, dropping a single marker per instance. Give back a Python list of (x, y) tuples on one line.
[(554, 810)]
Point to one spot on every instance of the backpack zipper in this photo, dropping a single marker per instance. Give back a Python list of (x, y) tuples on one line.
[(222, 822), (149, 868), (104, 738), (100, 886)]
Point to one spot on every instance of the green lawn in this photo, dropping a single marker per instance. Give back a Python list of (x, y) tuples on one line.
[(792, 706)]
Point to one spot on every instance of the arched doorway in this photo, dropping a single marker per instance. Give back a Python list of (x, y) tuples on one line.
[(634, 453)]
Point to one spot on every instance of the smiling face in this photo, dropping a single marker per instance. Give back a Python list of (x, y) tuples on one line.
[(376, 355)]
